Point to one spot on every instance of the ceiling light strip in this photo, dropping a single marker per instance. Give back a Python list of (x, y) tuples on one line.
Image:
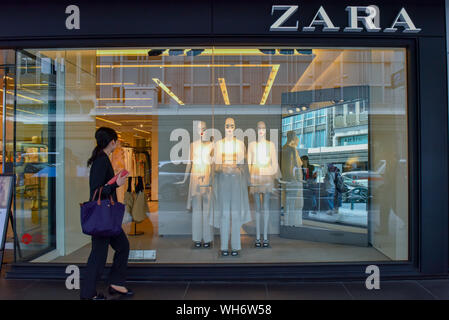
[(132, 107), (115, 83), (142, 131), (22, 96), (168, 91), (119, 99), (109, 121), (270, 82), (183, 65), (224, 90)]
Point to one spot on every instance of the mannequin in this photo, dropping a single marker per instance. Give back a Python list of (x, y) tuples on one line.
[(231, 207), (292, 176), (199, 168), (263, 169)]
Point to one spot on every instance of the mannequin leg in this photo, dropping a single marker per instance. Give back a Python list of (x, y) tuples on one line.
[(257, 214), (266, 214), (225, 214), (196, 218), (235, 212), (207, 228), (291, 199), (299, 205)]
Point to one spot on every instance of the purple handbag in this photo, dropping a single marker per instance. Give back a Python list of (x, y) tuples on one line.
[(102, 218)]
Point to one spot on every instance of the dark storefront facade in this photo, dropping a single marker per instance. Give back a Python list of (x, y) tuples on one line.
[(310, 136)]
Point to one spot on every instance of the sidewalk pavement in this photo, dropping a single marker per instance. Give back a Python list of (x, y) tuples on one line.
[(389, 290)]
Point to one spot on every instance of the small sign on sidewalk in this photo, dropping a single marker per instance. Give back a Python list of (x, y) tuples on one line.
[(142, 255)]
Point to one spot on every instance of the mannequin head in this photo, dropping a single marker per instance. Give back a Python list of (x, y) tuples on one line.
[(292, 139), (261, 130), (201, 128), (229, 127)]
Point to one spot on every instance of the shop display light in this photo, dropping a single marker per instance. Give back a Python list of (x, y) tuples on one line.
[(142, 131), (176, 52), (287, 51), (224, 90), (109, 121), (168, 91), (22, 96), (155, 52), (194, 52), (270, 81), (268, 51), (115, 84)]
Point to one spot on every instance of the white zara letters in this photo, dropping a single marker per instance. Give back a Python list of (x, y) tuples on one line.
[(358, 16)]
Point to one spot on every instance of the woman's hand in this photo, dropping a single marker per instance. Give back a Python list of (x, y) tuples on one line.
[(121, 180)]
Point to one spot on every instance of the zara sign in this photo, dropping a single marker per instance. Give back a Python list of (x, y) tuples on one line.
[(358, 16)]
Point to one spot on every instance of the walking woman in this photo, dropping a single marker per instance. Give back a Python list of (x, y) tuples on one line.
[(101, 172)]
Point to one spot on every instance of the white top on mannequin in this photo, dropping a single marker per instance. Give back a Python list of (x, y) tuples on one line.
[(262, 162), (229, 151)]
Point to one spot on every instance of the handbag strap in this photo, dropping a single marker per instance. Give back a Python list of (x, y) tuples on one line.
[(99, 197), (95, 193)]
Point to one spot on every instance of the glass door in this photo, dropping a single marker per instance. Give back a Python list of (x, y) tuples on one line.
[(35, 154)]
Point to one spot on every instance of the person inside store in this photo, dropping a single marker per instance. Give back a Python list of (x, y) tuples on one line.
[(309, 174), (101, 172), (329, 183)]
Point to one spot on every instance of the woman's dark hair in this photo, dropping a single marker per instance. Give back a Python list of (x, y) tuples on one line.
[(103, 136)]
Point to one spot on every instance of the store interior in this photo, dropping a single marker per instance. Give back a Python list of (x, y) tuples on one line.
[(154, 97)]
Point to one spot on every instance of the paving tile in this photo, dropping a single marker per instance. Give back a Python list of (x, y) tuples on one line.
[(389, 290), (438, 288), (226, 291), (12, 289), (307, 291), (158, 290), (48, 290)]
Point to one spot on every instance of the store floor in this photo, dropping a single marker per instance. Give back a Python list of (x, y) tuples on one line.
[(179, 249)]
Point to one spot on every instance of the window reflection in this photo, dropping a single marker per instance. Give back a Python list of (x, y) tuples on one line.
[(315, 154)]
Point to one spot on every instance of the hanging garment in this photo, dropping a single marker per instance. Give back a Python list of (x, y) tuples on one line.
[(128, 202), (130, 161), (140, 207)]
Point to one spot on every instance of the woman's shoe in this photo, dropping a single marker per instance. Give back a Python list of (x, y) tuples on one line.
[(206, 245), (99, 296), (112, 291), (234, 253), (197, 244), (224, 253), (257, 244), (266, 243)]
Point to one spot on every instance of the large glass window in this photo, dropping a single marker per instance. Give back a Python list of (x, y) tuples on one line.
[(284, 156)]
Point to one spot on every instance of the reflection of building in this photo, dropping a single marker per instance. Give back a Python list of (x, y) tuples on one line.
[(332, 134), (311, 128), (350, 123)]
